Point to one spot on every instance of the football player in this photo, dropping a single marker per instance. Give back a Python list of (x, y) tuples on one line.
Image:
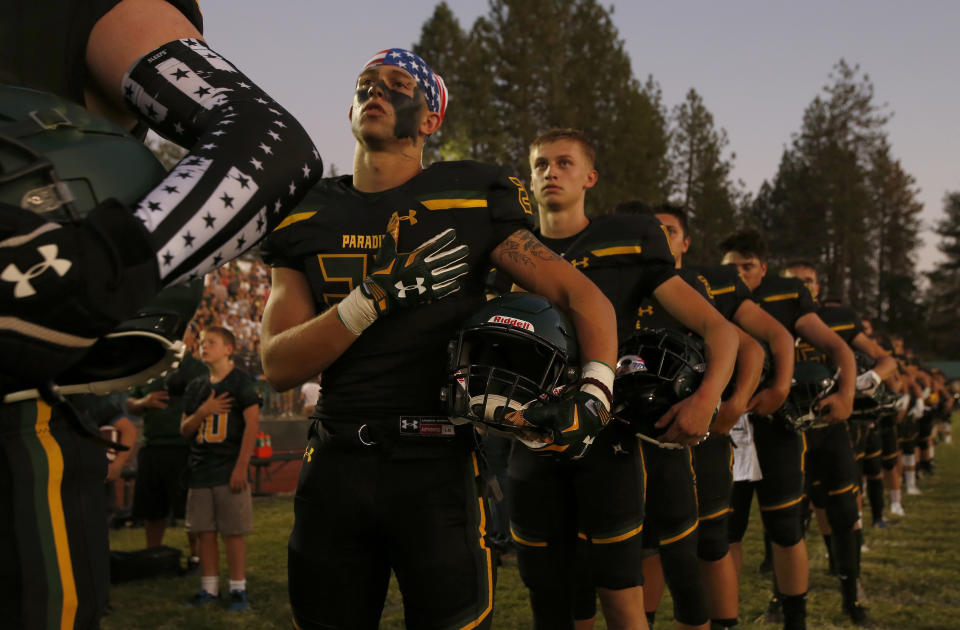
[(557, 511), (64, 285), (712, 459), (834, 478), (780, 449), (377, 322)]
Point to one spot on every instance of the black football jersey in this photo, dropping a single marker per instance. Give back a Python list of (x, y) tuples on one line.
[(650, 314), (626, 256), (398, 366), (786, 299), (216, 445), (842, 320), (726, 288)]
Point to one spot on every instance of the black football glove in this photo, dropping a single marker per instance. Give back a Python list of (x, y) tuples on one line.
[(570, 425), (429, 272)]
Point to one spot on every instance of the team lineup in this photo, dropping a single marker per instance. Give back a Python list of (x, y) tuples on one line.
[(501, 373)]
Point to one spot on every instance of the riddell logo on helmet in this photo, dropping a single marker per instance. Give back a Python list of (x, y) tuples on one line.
[(511, 321)]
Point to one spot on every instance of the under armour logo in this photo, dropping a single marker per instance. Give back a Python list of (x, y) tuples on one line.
[(618, 449), (23, 287), (411, 217), (583, 262), (402, 289), (308, 454), (410, 424), (648, 310)]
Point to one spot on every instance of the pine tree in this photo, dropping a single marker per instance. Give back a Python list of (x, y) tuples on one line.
[(701, 177), (944, 294), (531, 65)]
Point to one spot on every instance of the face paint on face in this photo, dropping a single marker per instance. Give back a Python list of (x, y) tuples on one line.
[(406, 108)]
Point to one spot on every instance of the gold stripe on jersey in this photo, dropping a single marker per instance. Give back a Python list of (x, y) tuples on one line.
[(780, 297), (453, 204), (294, 218), (681, 535), (617, 250), (523, 541), (615, 539), (843, 327), (58, 521), (724, 290)]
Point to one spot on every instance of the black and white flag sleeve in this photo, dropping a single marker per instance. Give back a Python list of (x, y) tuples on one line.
[(250, 161)]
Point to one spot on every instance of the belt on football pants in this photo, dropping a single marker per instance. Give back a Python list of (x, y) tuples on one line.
[(381, 432)]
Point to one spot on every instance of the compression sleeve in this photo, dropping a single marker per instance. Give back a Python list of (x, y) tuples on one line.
[(250, 161)]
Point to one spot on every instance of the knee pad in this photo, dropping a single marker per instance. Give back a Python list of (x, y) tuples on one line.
[(619, 565), (785, 526), (712, 543), (681, 571), (842, 511), (552, 607)]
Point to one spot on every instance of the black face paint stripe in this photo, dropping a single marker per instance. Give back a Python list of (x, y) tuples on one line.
[(406, 108)]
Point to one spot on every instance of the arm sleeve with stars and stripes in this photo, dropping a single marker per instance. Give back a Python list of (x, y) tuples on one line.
[(250, 161)]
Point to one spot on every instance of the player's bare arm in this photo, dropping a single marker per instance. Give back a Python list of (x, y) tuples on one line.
[(765, 327), (818, 334), (128, 31), (749, 370), (296, 344), (689, 419), (537, 269)]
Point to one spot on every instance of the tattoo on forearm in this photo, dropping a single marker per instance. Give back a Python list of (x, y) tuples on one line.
[(523, 248)]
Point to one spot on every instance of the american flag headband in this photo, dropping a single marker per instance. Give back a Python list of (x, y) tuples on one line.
[(430, 83)]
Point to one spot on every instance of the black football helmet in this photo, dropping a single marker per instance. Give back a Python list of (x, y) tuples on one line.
[(59, 161), (881, 401), (658, 367), (517, 350), (812, 381)]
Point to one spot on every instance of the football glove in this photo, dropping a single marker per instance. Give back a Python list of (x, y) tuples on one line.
[(569, 425), (868, 382), (432, 271)]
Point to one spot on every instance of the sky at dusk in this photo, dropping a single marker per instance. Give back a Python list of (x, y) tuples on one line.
[(757, 64)]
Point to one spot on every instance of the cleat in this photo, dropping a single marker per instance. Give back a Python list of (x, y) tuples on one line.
[(914, 491), (238, 601), (896, 509), (857, 614), (202, 598), (774, 612)]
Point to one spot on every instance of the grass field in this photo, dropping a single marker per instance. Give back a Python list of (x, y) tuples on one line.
[(911, 574)]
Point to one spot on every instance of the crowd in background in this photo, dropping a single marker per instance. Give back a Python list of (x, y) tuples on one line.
[(234, 297)]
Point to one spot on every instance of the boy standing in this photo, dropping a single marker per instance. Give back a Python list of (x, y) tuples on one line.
[(221, 414)]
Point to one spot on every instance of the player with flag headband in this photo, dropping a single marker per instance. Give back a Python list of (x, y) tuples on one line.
[(374, 312), (65, 284)]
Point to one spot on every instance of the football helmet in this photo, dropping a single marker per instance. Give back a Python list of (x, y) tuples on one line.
[(658, 367), (879, 402), (515, 351), (60, 161), (812, 381)]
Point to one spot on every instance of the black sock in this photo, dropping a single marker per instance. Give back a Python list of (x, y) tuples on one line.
[(875, 494), (848, 589), (845, 552), (858, 534), (651, 615), (794, 611)]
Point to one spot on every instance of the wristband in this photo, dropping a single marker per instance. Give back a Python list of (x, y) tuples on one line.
[(356, 312), (597, 380)]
